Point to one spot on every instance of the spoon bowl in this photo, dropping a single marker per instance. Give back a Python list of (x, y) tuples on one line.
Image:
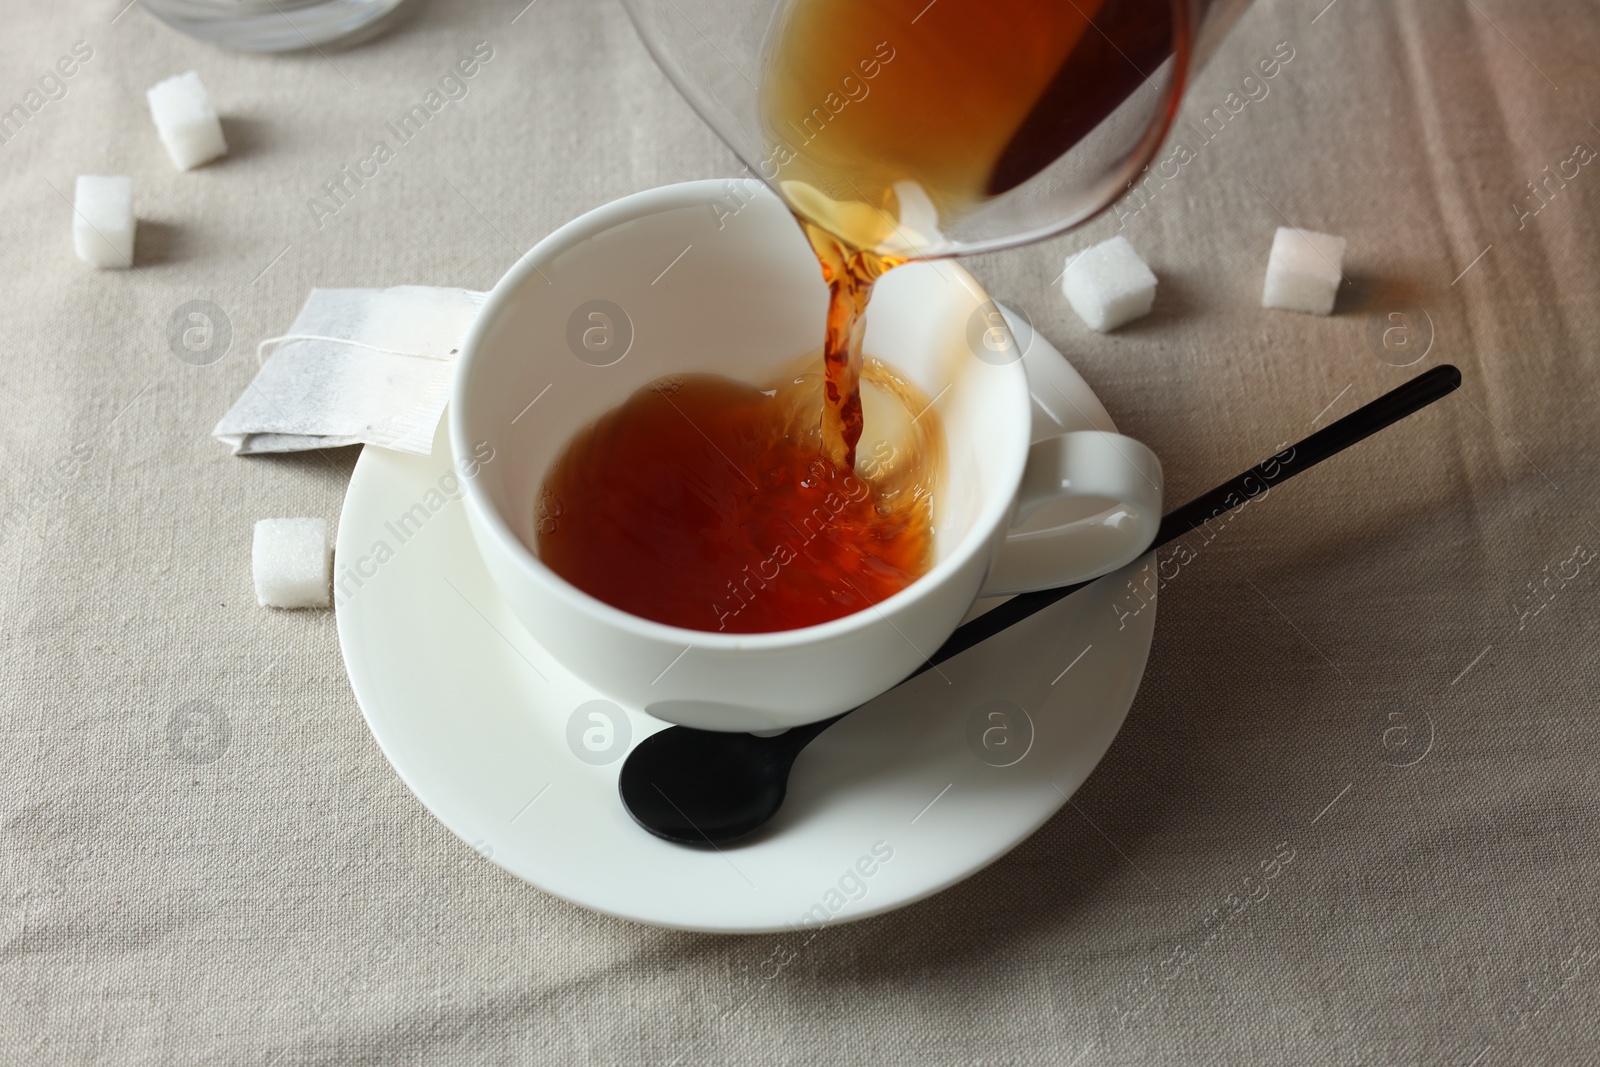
[(706, 787)]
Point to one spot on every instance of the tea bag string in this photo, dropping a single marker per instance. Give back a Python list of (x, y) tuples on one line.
[(262, 347)]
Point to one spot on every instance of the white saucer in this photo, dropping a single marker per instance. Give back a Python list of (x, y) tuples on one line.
[(897, 802)]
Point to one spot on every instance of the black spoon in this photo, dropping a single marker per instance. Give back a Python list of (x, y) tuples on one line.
[(697, 787)]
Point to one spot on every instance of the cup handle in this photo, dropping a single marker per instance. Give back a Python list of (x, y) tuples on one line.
[(1086, 463)]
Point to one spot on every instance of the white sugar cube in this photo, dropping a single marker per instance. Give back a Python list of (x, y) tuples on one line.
[(102, 220), (1303, 271), (186, 121), (1109, 285), (289, 561)]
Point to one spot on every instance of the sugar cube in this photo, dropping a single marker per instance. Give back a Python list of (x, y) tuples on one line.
[(186, 121), (102, 220), (1303, 271), (289, 562), (1109, 285)]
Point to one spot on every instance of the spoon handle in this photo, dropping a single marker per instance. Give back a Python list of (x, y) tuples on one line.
[(1332, 439)]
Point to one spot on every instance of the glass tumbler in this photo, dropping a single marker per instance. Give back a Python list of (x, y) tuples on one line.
[(269, 25)]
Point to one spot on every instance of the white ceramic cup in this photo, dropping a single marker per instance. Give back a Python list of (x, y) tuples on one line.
[(715, 277)]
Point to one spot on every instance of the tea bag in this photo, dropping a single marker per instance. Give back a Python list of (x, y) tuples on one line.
[(358, 366)]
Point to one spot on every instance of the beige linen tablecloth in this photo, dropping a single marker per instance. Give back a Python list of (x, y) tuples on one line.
[(1388, 671)]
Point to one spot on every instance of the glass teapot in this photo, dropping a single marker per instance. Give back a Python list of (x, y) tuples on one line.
[(916, 129)]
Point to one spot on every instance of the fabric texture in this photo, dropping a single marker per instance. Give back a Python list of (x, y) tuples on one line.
[(1379, 685)]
